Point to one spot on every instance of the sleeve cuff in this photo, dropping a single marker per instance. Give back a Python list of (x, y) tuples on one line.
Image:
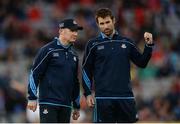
[(87, 93), (76, 106), (32, 98), (149, 45)]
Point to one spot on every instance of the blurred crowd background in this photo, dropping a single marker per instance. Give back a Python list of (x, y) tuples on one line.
[(26, 25)]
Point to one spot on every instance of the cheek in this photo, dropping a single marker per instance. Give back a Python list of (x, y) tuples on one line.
[(68, 35), (101, 28), (65, 35), (71, 36), (112, 26)]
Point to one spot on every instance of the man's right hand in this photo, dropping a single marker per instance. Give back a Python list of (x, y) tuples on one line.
[(32, 105), (148, 38), (90, 101)]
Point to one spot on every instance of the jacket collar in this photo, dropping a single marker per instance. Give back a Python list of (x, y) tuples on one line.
[(109, 37), (58, 42)]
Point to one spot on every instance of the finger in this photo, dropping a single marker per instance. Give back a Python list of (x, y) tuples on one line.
[(150, 42), (29, 107), (76, 116), (92, 101), (147, 38), (145, 34), (34, 108), (92, 105), (89, 102)]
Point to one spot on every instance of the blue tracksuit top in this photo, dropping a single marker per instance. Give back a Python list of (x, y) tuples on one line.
[(55, 72), (107, 63)]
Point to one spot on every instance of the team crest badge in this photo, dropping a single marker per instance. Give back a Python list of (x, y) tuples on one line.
[(74, 22), (55, 54), (75, 59), (123, 46), (45, 111), (100, 47)]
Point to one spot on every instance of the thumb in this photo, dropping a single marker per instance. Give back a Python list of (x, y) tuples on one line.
[(92, 101), (34, 108)]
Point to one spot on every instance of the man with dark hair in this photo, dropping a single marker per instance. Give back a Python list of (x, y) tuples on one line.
[(107, 63), (55, 72)]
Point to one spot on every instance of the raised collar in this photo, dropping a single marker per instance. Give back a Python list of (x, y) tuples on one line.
[(110, 37), (59, 43)]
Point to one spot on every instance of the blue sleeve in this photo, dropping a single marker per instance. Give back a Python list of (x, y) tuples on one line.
[(87, 70), (76, 89), (141, 59), (37, 72)]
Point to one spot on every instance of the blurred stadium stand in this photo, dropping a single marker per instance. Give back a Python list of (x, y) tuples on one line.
[(26, 25)]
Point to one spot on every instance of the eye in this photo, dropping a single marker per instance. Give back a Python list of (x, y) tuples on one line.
[(107, 22), (73, 30), (101, 23)]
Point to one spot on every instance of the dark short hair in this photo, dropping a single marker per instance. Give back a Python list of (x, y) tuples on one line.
[(103, 13)]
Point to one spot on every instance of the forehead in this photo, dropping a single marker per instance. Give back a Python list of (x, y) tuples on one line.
[(68, 30), (100, 19)]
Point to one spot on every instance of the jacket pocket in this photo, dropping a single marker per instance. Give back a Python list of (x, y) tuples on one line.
[(44, 89)]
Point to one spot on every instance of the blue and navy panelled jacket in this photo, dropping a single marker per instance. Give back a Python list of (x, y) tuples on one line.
[(107, 63), (55, 71)]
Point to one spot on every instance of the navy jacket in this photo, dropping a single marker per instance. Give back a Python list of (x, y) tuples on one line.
[(55, 72), (107, 63)]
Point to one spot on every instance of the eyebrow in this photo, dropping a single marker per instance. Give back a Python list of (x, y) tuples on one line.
[(101, 23), (107, 21)]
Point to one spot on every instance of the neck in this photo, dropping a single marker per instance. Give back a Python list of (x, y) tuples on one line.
[(113, 33), (63, 41)]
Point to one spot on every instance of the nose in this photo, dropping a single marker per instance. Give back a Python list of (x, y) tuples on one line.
[(105, 26), (75, 33)]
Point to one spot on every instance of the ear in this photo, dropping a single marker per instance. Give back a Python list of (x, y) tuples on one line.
[(60, 31), (97, 21), (114, 20)]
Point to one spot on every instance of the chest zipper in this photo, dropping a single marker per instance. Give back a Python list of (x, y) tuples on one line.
[(66, 55), (112, 48)]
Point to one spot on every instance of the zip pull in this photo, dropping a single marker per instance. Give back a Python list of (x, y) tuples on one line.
[(66, 55)]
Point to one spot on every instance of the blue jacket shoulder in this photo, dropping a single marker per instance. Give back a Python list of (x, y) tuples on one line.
[(93, 41), (48, 47), (128, 40)]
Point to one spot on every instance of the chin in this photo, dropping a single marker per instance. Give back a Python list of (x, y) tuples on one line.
[(107, 34), (72, 41)]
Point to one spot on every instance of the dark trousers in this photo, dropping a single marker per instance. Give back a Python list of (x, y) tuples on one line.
[(115, 111), (54, 114)]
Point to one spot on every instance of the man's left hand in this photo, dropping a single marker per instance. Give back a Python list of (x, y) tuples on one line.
[(75, 114)]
